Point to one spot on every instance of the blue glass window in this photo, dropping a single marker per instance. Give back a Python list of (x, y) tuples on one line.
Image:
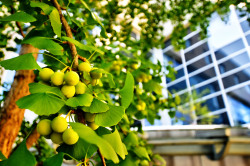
[(243, 75), (178, 87), (199, 64), (245, 26), (202, 76), (229, 49), (196, 51)]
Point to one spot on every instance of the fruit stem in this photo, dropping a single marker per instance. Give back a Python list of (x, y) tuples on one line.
[(68, 115), (52, 57)]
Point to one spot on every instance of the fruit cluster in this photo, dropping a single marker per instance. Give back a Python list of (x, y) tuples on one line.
[(143, 77), (70, 81), (117, 65), (57, 130), (141, 106)]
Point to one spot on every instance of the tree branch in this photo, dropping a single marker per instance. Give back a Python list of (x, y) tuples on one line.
[(32, 138), (102, 158), (17, 23), (68, 33)]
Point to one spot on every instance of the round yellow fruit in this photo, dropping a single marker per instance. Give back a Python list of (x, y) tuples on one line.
[(139, 107), (116, 68), (70, 137), (80, 88), (45, 74), (56, 138), (68, 91), (57, 78), (84, 66), (144, 163), (95, 74), (93, 125), (71, 78), (43, 127), (59, 124), (134, 66), (90, 117), (94, 82)]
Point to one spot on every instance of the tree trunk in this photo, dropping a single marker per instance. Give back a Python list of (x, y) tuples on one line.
[(11, 116)]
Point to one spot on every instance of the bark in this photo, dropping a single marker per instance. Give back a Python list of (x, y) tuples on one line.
[(32, 139), (10, 115)]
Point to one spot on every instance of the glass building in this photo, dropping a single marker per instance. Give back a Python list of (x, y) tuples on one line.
[(219, 63)]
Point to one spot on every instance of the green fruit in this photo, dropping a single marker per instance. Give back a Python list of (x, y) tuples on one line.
[(95, 74), (57, 78), (92, 125), (45, 74), (43, 127), (80, 88), (56, 138), (59, 124), (70, 137), (84, 66), (144, 163), (71, 78), (68, 91), (90, 117)]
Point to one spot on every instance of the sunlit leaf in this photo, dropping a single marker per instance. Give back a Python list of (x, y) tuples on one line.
[(98, 106), (91, 137), (80, 100), (127, 92), (22, 62), (19, 16), (41, 103), (45, 43), (79, 150), (82, 46), (55, 22), (55, 160), (111, 117), (115, 141)]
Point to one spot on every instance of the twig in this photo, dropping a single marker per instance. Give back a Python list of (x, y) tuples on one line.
[(102, 158), (20, 29), (82, 58), (17, 23), (68, 33)]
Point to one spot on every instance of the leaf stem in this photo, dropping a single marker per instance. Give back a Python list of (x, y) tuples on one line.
[(54, 58), (91, 55)]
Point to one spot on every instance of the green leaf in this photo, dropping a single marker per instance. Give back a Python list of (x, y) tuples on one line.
[(22, 62), (55, 160), (41, 88), (55, 22), (91, 137), (127, 92), (93, 19), (98, 106), (129, 161), (111, 117), (82, 46), (41, 103), (20, 17), (45, 7), (45, 43), (153, 86), (80, 100), (111, 80), (115, 141), (2, 157), (131, 139), (79, 150), (141, 152), (21, 157)]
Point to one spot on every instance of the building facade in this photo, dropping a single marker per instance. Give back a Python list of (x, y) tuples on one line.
[(220, 64)]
